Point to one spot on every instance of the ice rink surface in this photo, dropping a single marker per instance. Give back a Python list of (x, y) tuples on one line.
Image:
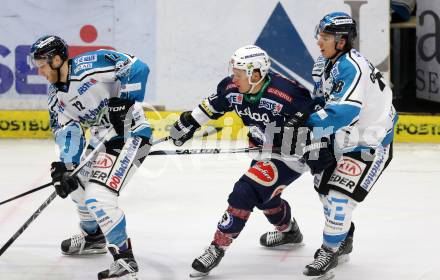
[(173, 204)]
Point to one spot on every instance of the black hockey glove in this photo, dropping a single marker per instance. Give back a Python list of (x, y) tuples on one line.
[(117, 110), (183, 129), (64, 183), (299, 133), (319, 155)]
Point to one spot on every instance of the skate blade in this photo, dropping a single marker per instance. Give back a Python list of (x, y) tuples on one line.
[(327, 276), (285, 247), (86, 252), (343, 259), (130, 276), (196, 274)]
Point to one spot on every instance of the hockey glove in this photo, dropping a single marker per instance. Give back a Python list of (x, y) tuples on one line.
[(64, 183), (319, 155), (183, 129), (295, 124), (118, 109)]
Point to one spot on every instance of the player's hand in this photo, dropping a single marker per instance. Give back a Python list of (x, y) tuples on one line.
[(296, 121), (183, 129), (64, 183)]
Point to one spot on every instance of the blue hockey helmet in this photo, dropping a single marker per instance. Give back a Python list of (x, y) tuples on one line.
[(339, 24), (47, 47)]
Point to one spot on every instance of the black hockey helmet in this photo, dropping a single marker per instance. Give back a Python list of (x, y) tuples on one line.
[(339, 24), (47, 47)]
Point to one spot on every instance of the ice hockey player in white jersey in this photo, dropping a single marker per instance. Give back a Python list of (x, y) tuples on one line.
[(358, 117), (102, 91)]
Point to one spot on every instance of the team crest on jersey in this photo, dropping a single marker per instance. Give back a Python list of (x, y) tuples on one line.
[(271, 105), (86, 58), (264, 173), (235, 98)]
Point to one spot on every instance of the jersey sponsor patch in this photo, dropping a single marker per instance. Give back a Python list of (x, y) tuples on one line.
[(85, 86), (347, 174), (104, 160), (335, 70), (254, 116), (123, 163), (86, 58), (82, 67), (376, 168), (280, 94), (235, 98), (263, 172), (101, 167), (270, 105)]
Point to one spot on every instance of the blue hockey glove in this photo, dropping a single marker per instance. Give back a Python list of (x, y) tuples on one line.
[(183, 129), (64, 183)]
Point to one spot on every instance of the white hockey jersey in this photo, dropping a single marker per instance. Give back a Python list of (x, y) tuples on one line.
[(357, 104), (81, 102)]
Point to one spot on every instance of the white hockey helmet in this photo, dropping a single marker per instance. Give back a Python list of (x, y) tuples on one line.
[(250, 58)]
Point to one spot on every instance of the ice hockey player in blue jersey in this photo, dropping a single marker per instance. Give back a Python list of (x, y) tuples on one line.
[(101, 91), (358, 117), (265, 101)]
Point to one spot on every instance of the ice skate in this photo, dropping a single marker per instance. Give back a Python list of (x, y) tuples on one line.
[(123, 267), (321, 268), (85, 244), (346, 246), (207, 261), (277, 238)]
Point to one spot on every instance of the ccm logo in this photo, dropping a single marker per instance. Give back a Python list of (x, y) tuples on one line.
[(349, 167)]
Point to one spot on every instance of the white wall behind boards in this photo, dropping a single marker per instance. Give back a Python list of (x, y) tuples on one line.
[(186, 43)]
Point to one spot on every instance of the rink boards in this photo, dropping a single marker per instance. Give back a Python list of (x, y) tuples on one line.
[(35, 124)]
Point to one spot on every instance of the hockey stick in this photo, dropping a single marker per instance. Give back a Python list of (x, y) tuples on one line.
[(50, 183), (26, 193), (208, 151), (54, 194)]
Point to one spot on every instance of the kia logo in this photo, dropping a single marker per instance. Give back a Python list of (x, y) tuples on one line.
[(349, 167), (103, 161)]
